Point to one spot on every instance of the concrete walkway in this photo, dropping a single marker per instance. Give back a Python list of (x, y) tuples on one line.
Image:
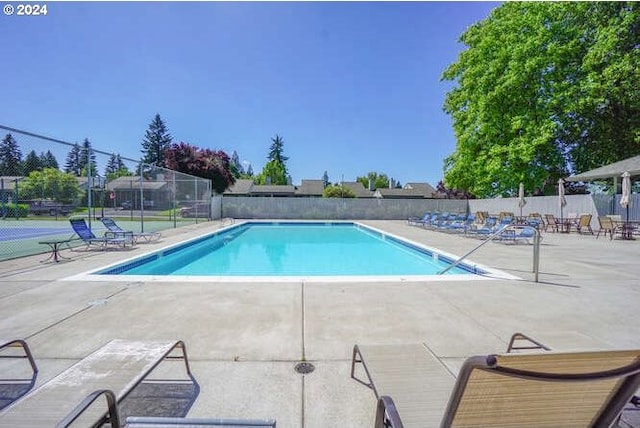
[(244, 339)]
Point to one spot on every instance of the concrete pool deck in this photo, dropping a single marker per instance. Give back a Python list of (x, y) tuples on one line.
[(244, 339)]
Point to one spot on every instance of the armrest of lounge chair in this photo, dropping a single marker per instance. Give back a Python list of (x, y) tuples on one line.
[(387, 414), (15, 384), (530, 343)]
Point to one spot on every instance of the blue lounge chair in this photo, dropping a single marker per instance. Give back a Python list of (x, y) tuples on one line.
[(88, 237), (461, 225), (116, 231), (417, 221), (518, 234)]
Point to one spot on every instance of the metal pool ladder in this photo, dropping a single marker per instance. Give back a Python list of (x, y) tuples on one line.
[(536, 248)]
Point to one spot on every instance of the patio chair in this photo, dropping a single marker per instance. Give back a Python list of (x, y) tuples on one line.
[(551, 222), (415, 221), (504, 214), (584, 224), (15, 382), (88, 237), (518, 234), (125, 367), (543, 389), (116, 231), (112, 417)]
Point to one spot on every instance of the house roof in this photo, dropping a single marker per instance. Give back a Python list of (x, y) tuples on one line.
[(310, 188), (357, 188), (271, 189), (398, 193), (240, 187), (131, 182), (616, 169), (426, 189)]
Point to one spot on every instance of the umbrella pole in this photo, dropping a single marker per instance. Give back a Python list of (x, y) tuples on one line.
[(627, 215)]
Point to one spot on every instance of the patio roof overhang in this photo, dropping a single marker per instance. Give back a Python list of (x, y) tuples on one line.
[(616, 169)]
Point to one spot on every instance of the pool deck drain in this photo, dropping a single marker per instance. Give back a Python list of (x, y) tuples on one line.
[(304, 368)]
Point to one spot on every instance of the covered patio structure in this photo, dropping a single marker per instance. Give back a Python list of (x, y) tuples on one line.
[(615, 171)]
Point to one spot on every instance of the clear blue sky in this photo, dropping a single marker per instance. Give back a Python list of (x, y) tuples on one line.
[(351, 87)]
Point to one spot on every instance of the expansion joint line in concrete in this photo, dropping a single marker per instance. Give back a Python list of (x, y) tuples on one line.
[(304, 357), (302, 315), (68, 317)]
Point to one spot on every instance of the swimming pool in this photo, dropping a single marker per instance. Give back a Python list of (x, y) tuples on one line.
[(297, 250)]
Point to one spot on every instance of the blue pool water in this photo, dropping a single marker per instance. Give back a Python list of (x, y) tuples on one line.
[(292, 249)]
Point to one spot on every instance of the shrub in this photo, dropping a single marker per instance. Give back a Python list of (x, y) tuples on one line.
[(13, 210), (338, 192)]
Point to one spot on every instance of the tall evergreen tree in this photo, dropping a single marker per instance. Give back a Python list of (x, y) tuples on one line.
[(10, 156), (72, 163), (87, 159), (236, 167), (111, 166), (48, 160), (249, 171), (116, 168), (276, 152), (156, 141), (32, 162), (275, 170), (325, 179)]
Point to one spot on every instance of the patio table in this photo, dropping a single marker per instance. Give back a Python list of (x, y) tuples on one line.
[(627, 228), (54, 245), (564, 224)]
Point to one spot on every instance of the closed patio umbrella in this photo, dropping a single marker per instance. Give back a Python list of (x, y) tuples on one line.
[(625, 200), (521, 200), (561, 198)]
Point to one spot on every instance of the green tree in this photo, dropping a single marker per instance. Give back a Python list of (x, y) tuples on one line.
[(87, 159), (32, 162), (276, 151), (48, 160), (50, 183), (276, 167), (236, 166), (325, 179), (536, 93), (273, 172), (10, 157), (116, 168), (72, 162), (156, 141), (379, 180), (337, 191)]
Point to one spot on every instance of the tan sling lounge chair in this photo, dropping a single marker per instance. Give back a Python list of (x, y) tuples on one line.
[(120, 366), (542, 389), (15, 379)]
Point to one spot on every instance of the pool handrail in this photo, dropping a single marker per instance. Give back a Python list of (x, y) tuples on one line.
[(536, 248)]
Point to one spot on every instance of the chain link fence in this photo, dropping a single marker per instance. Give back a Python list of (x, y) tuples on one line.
[(45, 181)]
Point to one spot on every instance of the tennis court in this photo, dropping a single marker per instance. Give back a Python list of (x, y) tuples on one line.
[(20, 238)]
